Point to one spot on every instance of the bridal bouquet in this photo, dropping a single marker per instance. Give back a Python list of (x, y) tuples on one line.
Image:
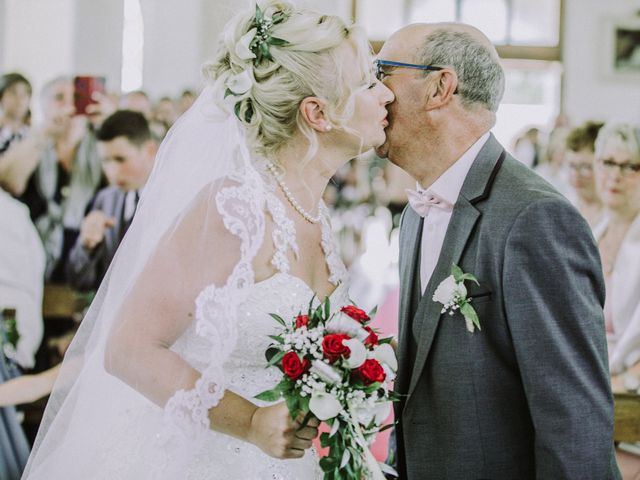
[(338, 369)]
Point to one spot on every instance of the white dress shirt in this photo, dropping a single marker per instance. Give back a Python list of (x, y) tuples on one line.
[(436, 222)]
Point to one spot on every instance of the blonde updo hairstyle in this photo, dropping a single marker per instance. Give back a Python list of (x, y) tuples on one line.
[(309, 64)]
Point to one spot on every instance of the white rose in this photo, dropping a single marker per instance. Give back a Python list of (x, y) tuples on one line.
[(324, 405), (242, 47), (358, 352), (381, 412), (325, 371), (448, 289), (241, 83), (343, 323), (384, 354)]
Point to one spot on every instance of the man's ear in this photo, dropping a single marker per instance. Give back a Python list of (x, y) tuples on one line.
[(441, 88), (312, 111), (150, 149)]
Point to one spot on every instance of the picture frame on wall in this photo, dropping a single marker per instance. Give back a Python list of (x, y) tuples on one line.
[(622, 48)]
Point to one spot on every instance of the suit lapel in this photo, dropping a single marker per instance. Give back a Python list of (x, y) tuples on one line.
[(463, 220), (410, 246)]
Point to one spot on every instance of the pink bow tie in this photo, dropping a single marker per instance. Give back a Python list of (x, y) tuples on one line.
[(423, 201)]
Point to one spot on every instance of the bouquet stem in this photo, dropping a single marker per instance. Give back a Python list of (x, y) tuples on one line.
[(369, 460)]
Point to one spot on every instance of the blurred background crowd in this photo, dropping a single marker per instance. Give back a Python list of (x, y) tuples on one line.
[(86, 99)]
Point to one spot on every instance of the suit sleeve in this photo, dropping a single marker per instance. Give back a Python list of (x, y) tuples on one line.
[(83, 265), (553, 296)]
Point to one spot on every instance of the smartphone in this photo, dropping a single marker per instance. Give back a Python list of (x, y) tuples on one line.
[(84, 88)]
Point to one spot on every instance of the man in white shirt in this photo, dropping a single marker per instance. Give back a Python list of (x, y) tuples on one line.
[(506, 378)]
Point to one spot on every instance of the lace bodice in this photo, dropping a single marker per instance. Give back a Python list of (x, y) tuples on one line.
[(241, 345)]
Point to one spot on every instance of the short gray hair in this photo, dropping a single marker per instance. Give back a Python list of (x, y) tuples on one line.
[(480, 75), (628, 135)]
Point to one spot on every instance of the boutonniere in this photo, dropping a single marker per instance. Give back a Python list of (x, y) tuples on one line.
[(452, 294)]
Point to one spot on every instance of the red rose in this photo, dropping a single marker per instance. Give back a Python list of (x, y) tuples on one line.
[(302, 321), (333, 348), (293, 367), (371, 372), (355, 313), (372, 339)]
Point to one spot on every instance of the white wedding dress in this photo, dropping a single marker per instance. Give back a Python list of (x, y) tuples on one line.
[(98, 427), (133, 447)]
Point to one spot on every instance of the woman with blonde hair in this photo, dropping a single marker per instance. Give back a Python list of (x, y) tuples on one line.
[(160, 380), (617, 176)]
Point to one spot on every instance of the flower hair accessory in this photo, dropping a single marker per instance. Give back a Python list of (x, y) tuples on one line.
[(253, 45), (452, 294)]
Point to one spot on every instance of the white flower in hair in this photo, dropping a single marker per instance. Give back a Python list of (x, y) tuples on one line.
[(241, 83), (242, 47)]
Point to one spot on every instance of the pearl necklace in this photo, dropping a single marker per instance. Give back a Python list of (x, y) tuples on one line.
[(287, 193)]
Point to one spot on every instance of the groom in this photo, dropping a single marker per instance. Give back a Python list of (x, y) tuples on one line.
[(527, 395)]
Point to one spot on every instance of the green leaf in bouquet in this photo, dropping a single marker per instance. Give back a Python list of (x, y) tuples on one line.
[(327, 308), (387, 427), (328, 464), (278, 319), (335, 426), (293, 405), (373, 312), (324, 440), (346, 456), (276, 338), (304, 404), (276, 358), (269, 395)]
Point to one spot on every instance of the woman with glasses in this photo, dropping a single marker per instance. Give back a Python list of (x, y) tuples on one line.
[(579, 161), (617, 178)]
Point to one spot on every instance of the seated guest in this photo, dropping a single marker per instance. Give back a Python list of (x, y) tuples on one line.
[(21, 278), (128, 152), (579, 160), (15, 97), (56, 172), (617, 175), (552, 165)]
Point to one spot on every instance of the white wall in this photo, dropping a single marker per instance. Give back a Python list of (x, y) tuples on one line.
[(98, 39), (173, 45), (589, 92), (39, 38)]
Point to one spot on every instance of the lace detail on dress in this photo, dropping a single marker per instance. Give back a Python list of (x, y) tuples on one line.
[(242, 208), (283, 234), (337, 269)]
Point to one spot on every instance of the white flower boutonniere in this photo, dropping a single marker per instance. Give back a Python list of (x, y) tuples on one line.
[(452, 294)]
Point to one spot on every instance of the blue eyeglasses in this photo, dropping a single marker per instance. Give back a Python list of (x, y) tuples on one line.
[(380, 70)]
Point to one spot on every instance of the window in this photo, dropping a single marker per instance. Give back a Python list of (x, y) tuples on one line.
[(132, 46)]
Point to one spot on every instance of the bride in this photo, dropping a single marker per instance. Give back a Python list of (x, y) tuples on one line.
[(160, 379)]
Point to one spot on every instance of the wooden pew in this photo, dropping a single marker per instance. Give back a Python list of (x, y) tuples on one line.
[(626, 417)]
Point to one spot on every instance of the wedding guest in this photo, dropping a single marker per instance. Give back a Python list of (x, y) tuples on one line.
[(579, 160), (138, 101), (553, 159), (163, 117), (187, 97), (617, 176), (527, 148), (128, 151), (15, 98), (21, 280), (56, 171)]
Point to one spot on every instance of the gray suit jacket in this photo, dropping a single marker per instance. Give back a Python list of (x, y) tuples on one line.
[(529, 395), (85, 269)]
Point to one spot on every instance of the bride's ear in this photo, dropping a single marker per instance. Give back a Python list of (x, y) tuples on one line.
[(312, 111)]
